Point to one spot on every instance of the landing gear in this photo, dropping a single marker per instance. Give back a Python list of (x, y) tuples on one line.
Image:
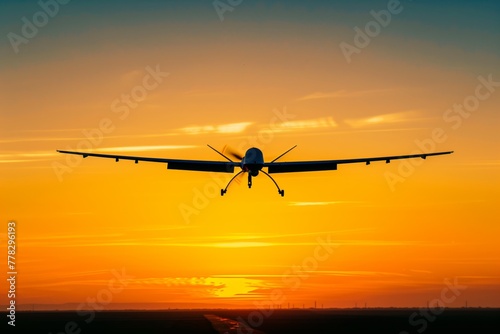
[(280, 191), (223, 191)]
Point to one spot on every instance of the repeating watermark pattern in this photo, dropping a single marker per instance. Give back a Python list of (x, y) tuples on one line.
[(421, 319), (11, 272), (453, 117), (201, 198), (103, 297), (121, 107), (292, 279), (372, 29), (30, 28), (225, 6)]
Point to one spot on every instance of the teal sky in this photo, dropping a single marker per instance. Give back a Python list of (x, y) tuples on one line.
[(469, 25)]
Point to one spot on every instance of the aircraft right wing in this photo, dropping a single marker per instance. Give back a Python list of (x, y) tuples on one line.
[(311, 166)]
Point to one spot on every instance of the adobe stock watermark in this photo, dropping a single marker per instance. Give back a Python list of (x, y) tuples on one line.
[(292, 278), (454, 118), (103, 297), (121, 108), (222, 6), (30, 28), (372, 29), (201, 197), (12, 272), (421, 319)]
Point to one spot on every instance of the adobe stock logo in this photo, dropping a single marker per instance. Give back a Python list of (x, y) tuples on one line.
[(225, 6), (121, 106), (455, 116), (30, 29), (372, 29)]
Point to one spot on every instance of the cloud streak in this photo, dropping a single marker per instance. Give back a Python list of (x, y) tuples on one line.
[(318, 203), (306, 124), (358, 273), (341, 93), (229, 128), (399, 117), (47, 155), (144, 148)]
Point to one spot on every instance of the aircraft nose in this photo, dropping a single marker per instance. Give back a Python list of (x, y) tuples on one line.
[(254, 156)]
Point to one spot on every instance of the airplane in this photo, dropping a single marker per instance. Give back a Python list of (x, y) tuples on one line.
[(253, 162)]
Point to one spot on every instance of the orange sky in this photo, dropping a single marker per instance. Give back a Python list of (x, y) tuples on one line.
[(127, 234)]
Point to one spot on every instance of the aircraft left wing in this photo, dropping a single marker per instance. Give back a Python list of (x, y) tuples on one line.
[(311, 166), (194, 165)]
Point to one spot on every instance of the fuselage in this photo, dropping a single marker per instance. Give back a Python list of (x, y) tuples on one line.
[(253, 161)]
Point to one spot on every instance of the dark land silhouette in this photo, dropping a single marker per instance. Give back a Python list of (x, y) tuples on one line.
[(290, 321)]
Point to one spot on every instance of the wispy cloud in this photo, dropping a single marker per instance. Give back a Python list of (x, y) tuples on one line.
[(36, 154), (127, 238), (342, 93), (482, 164), (480, 277), (249, 275), (47, 130), (208, 93), (306, 124), (19, 157), (194, 244), (316, 203), (379, 243), (70, 139), (246, 237), (143, 148), (351, 273), (85, 273), (10, 161), (216, 129), (399, 117), (420, 271), (242, 244), (194, 130)]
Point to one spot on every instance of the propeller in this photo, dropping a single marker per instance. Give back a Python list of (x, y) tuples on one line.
[(229, 151), (236, 155)]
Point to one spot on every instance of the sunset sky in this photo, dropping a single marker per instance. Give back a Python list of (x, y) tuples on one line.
[(166, 78)]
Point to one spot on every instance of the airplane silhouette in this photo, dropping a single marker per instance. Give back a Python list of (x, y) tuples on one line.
[(253, 162)]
